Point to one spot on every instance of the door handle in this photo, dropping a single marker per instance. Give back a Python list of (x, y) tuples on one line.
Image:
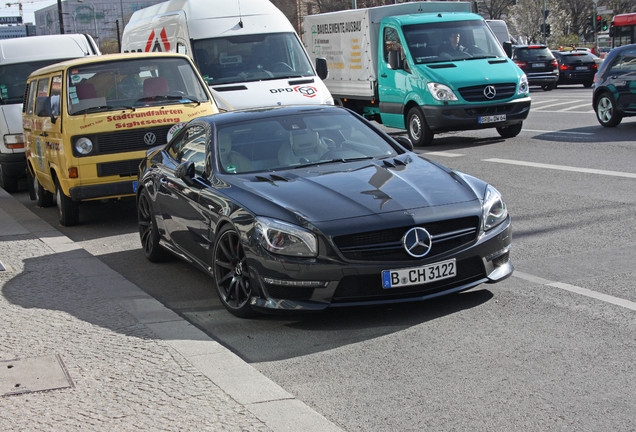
[(383, 75), (44, 134)]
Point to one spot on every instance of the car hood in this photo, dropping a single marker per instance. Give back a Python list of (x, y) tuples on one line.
[(355, 189), (466, 73)]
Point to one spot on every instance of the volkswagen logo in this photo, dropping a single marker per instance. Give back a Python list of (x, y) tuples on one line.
[(417, 242), (150, 138), (490, 92)]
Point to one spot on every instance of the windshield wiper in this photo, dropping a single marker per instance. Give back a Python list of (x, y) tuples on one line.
[(342, 160), (482, 57), (101, 108), (167, 98)]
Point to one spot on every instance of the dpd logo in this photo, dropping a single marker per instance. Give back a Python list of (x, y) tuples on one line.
[(307, 91)]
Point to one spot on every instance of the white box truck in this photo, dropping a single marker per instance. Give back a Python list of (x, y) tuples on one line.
[(18, 58), (426, 67), (247, 50)]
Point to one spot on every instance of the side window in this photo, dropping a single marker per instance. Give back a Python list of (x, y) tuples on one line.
[(175, 146), (194, 148), (56, 89), (628, 60), (30, 105), (42, 89)]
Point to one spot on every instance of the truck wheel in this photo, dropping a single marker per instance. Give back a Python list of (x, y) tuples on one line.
[(510, 131), (9, 183), (42, 197), (605, 108), (418, 130), (69, 209)]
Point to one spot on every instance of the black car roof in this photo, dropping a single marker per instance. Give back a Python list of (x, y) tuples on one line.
[(265, 112)]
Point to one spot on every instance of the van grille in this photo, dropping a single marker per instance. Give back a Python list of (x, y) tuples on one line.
[(125, 168), (476, 93), (124, 141)]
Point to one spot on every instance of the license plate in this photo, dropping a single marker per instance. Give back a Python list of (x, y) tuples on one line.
[(492, 118), (419, 275), (581, 68), (134, 185), (538, 65)]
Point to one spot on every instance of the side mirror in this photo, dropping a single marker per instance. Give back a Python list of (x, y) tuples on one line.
[(404, 142), (394, 60), (185, 172), (321, 68), (507, 46)]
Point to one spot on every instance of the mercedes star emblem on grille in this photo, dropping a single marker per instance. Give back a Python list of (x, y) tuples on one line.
[(150, 138), (490, 92), (417, 242)]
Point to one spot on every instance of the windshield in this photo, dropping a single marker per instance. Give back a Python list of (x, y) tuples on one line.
[(131, 84), (450, 41), (13, 79), (298, 140), (257, 57)]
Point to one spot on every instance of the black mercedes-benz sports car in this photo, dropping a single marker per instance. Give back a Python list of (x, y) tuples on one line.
[(304, 208)]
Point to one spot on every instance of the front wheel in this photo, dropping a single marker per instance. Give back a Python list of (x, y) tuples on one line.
[(68, 209), (419, 132), (148, 232), (510, 131), (231, 275), (606, 111), (42, 197)]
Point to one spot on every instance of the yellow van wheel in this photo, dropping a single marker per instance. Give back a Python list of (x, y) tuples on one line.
[(41, 196), (68, 209)]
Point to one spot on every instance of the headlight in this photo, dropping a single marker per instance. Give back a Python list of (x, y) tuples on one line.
[(523, 84), (494, 209), (441, 92), (285, 239), (84, 146)]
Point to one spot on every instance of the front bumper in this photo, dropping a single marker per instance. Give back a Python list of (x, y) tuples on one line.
[(104, 190), (446, 118), (355, 284), (542, 78)]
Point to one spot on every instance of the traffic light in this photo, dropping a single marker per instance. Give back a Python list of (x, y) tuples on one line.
[(547, 30), (604, 25), (598, 23)]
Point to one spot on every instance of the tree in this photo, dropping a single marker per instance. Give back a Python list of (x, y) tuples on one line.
[(494, 9)]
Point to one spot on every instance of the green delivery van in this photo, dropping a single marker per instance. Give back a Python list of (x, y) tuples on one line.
[(426, 67)]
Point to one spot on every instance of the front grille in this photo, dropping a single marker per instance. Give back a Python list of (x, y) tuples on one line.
[(476, 93), (369, 287), (124, 141), (125, 168), (386, 245)]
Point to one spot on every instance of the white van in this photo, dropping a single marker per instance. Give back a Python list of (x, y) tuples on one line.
[(18, 58), (247, 50)]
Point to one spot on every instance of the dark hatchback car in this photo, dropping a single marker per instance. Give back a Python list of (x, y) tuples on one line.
[(304, 208), (538, 63), (615, 86), (576, 67)]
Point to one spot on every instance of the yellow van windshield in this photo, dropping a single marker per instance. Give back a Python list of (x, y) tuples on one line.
[(114, 85)]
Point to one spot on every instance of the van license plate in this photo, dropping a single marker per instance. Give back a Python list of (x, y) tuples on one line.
[(492, 118), (419, 275)]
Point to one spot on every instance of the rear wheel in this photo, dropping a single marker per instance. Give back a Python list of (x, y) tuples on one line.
[(148, 232), (68, 209), (419, 132), (510, 131), (231, 275), (588, 84), (606, 111), (548, 87)]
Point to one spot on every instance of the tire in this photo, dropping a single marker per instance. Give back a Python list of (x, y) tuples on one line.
[(510, 131), (605, 108), (30, 186), (42, 197), (67, 208), (548, 87), (588, 84), (148, 232), (9, 183), (231, 275), (417, 128)]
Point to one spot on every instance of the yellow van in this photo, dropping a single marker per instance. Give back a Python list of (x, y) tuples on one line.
[(88, 123)]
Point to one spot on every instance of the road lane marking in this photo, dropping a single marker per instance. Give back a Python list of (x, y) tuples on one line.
[(557, 132), (577, 106), (560, 103), (578, 290), (563, 168), (445, 154), (535, 102), (567, 112)]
